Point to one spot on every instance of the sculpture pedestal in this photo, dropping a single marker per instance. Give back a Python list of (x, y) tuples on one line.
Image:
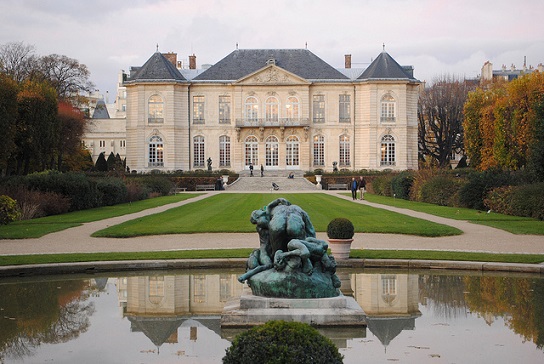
[(249, 310)]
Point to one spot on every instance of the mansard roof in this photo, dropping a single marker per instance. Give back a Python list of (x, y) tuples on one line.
[(100, 110), (157, 68), (243, 62), (384, 67)]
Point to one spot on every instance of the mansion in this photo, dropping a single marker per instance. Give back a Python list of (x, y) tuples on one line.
[(285, 109)]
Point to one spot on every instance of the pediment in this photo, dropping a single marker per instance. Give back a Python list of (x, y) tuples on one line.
[(272, 75)]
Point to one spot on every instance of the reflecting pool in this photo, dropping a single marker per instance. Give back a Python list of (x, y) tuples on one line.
[(174, 316)]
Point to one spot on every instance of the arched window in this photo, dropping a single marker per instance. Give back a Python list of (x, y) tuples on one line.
[(156, 289), (271, 109), (155, 107), (292, 109), (224, 151), (292, 151), (252, 150), (389, 287), (388, 112), (344, 159), (388, 151), (272, 145), (198, 150), (251, 109), (319, 150), (156, 152)]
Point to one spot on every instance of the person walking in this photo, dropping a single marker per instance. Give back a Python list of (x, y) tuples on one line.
[(353, 186), (262, 171), (362, 187)]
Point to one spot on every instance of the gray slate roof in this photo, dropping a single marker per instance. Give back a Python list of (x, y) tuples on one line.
[(100, 110), (385, 67), (243, 62), (157, 68)]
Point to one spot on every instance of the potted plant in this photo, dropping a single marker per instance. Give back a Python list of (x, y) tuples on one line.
[(340, 232)]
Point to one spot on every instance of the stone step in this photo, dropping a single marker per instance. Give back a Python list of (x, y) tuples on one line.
[(265, 184)]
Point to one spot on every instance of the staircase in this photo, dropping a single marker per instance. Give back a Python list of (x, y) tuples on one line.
[(258, 183)]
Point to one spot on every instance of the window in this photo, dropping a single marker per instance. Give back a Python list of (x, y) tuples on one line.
[(198, 150), (389, 287), (102, 143), (344, 151), (319, 150), (252, 150), (156, 289), (122, 143), (224, 151), (271, 109), (292, 109), (388, 151), (156, 151), (251, 109), (198, 109), (344, 106), (155, 106), (292, 151), (388, 109), (319, 108), (271, 145), (224, 109)]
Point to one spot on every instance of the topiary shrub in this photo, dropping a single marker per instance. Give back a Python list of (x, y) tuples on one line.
[(282, 342), (8, 210), (340, 228)]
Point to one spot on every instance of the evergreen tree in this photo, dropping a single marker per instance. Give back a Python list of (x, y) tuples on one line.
[(101, 164)]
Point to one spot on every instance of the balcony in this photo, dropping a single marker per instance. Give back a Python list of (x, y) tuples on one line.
[(285, 122)]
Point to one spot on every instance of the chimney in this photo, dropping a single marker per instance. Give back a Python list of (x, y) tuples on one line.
[(192, 62), (347, 59), (172, 57)]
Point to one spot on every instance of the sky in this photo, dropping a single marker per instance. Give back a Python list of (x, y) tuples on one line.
[(438, 38)]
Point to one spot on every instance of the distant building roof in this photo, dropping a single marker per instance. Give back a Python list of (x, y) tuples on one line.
[(100, 110), (157, 68), (243, 62), (386, 68)]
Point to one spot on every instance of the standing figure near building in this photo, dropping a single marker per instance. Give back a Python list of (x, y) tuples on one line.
[(262, 171), (353, 187), (362, 187), (250, 169)]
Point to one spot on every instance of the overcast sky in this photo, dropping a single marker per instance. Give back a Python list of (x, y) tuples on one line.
[(436, 37)]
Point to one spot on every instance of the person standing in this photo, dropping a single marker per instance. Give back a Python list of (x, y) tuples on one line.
[(353, 186), (362, 187), (250, 169), (262, 171)]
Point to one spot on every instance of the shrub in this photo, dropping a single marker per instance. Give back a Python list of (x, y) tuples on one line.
[(499, 200), (282, 342), (473, 193), (8, 210), (442, 190), (381, 185), (528, 200), (111, 191), (401, 184), (136, 191), (33, 204), (340, 228), (161, 185)]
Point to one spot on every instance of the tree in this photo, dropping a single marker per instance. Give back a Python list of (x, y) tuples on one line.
[(71, 126), (17, 60), (8, 120), (101, 164), (440, 117)]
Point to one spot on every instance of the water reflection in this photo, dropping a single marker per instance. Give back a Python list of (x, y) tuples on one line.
[(159, 315)]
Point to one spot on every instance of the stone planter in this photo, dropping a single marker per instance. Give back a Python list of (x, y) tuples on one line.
[(340, 248), (318, 180), (225, 179)]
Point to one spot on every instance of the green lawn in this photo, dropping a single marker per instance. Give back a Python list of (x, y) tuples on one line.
[(228, 213), (36, 228), (513, 224)]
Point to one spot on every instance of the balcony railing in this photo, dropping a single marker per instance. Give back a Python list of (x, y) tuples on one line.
[(272, 123)]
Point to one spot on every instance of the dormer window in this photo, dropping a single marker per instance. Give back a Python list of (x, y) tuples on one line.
[(270, 61)]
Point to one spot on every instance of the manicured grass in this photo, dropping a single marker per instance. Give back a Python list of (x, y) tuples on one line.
[(36, 228), (228, 213), (513, 224), (244, 253)]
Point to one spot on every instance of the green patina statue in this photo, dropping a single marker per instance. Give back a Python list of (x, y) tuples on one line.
[(290, 261)]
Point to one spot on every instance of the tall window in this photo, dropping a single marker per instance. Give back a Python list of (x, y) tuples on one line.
[(292, 152), (272, 146), (388, 151), (292, 109), (198, 109), (252, 150), (319, 108), (344, 109), (224, 151), (224, 109), (251, 109), (156, 289), (198, 149), (389, 287), (344, 151), (319, 150), (271, 111), (388, 109), (156, 151), (155, 107)]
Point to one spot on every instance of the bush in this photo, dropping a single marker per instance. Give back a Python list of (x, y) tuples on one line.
[(475, 190), (282, 342), (111, 191), (161, 185), (381, 185), (442, 190), (401, 184), (8, 210), (136, 191), (340, 228), (33, 204)]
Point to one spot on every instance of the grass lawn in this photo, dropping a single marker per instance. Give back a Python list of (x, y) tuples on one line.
[(227, 213), (36, 228), (513, 224)]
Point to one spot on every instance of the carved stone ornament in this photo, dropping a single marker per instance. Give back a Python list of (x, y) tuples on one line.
[(306, 133), (271, 75), (238, 134)]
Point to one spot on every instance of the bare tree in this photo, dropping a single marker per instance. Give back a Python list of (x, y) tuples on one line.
[(69, 77), (17, 60), (440, 118)]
